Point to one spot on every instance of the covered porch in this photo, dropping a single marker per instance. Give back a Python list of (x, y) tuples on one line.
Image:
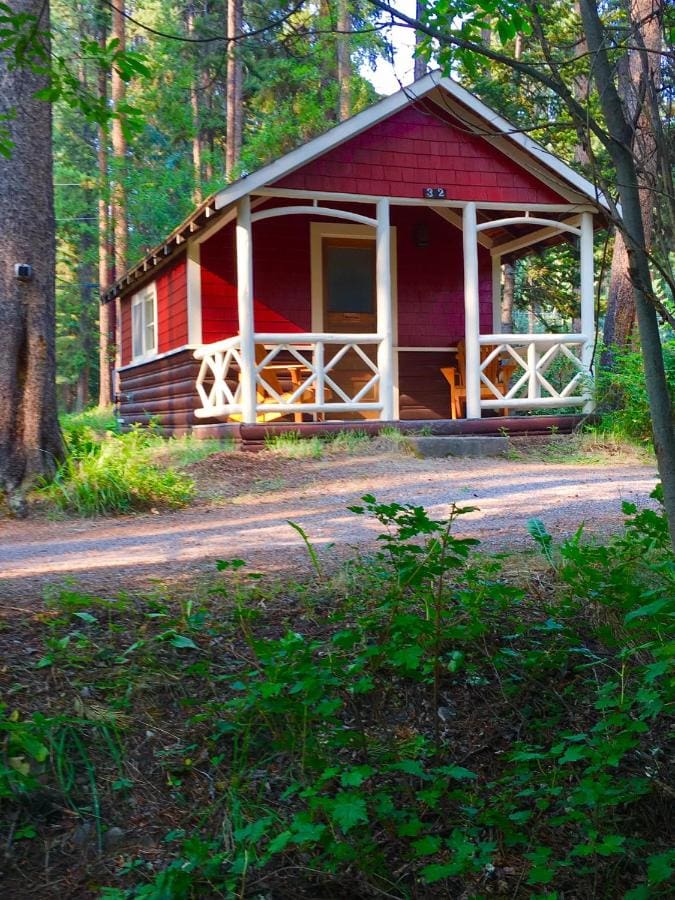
[(259, 376)]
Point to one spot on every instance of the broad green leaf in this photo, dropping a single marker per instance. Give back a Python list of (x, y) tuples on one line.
[(349, 810)]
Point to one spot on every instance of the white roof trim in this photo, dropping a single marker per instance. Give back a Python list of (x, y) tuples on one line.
[(383, 110)]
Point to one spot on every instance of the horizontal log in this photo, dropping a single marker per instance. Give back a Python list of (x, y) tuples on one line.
[(188, 368), (563, 424), (184, 388)]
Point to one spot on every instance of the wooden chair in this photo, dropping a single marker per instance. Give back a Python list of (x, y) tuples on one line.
[(499, 372), (269, 374)]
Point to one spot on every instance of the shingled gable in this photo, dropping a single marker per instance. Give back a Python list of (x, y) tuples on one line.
[(432, 132)]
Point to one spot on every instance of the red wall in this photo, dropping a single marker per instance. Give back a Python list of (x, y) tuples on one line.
[(172, 322), (430, 279), (172, 310), (281, 279), (412, 150)]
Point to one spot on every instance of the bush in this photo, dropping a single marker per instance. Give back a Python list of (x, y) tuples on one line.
[(623, 396), (108, 472)]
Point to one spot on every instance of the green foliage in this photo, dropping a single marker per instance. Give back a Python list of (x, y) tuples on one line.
[(424, 728), (107, 472), (623, 396)]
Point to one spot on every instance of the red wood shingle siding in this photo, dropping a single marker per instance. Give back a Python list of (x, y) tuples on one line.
[(430, 279), (281, 279), (412, 150), (172, 313)]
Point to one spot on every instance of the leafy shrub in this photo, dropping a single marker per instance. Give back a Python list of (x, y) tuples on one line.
[(115, 474), (331, 768), (623, 395)]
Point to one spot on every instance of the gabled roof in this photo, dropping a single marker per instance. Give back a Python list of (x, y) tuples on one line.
[(487, 122)]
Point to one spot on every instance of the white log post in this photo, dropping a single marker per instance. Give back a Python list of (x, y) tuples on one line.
[(471, 312), (385, 328), (587, 290), (245, 310)]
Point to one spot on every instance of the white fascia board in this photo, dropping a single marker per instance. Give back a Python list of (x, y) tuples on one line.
[(550, 160)]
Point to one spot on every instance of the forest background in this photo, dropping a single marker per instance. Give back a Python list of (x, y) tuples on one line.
[(208, 110)]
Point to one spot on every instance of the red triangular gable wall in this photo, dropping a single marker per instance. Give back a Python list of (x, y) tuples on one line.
[(412, 150)]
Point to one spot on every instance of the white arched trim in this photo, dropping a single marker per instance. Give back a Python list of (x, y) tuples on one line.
[(313, 211), (528, 220)]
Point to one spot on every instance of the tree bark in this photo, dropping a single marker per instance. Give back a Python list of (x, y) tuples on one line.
[(628, 183), (196, 126), (234, 92), (118, 193), (420, 69), (344, 62), (106, 319), (633, 78), (30, 438), (508, 290)]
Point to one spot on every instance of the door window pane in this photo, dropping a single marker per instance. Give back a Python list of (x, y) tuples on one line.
[(350, 278)]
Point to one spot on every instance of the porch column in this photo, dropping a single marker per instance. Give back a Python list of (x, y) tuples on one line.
[(385, 328), (587, 291), (471, 312), (245, 310)]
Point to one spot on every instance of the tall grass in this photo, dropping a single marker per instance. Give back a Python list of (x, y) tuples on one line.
[(107, 472)]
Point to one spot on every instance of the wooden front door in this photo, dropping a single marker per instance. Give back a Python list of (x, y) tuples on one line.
[(349, 306)]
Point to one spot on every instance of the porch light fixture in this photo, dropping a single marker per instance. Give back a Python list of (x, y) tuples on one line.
[(421, 235)]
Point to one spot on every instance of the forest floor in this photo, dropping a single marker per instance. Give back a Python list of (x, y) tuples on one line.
[(245, 501)]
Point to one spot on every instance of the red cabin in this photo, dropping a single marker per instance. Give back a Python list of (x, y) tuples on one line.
[(359, 277)]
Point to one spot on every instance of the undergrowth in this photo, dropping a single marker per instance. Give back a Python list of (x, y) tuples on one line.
[(414, 726), (622, 393), (107, 472)]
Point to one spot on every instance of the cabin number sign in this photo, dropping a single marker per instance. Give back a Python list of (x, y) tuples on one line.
[(433, 193)]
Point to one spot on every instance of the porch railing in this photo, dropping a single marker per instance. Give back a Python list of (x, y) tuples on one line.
[(312, 357), (548, 370)]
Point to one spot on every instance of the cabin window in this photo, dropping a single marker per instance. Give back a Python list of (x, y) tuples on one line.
[(144, 322)]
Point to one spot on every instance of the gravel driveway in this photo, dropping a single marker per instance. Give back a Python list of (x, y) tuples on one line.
[(246, 501)]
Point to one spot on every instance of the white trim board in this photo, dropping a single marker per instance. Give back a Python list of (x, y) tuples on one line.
[(152, 359)]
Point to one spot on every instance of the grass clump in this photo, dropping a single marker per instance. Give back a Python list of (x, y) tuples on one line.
[(347, 441), (107, 472), (294, 446)]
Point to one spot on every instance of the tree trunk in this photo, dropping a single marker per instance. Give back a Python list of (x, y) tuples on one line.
[(628, 184), (196, 129), (233, 96), (106, 322), (119, 152), (30, 438), (420, 65), (344, 62), (646, 18), (508, 289)]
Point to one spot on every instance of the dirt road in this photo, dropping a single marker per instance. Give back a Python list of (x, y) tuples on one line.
[(246, 502)]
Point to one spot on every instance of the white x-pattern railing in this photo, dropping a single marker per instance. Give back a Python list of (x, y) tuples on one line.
[(528, 359), (310, 359)]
